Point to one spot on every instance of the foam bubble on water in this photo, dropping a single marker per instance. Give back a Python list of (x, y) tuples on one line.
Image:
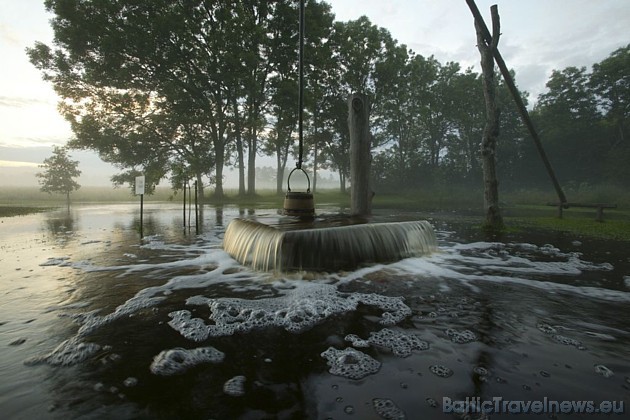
[(441, 371), (350, 363), (481, 371), (178, 360), (70, 352), (56, 261), (299, 309), (468, 263), (399, 343), (192, 328), (567, 341), (462, 337), (604, 371), (387, 409), (235, 386), (546, 328), (357, 341), (130, 382)]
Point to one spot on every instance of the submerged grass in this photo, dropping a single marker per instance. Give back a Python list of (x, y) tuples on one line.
[(10, 211), (522, 210)]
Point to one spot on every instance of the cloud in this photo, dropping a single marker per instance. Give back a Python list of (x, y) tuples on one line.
[(21, 102), (16, 164), (7, 36), (30, 142)]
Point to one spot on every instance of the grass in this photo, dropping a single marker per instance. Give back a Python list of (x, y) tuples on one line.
[(522, 210), (10, 211)]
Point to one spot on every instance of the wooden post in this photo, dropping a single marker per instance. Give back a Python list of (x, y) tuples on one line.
[(141, 215), (196, 212), (360, 155), (184, 212), (507, 77), (491, 130)]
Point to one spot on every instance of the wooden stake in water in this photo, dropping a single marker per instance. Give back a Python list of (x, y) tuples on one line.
[(140, 191)]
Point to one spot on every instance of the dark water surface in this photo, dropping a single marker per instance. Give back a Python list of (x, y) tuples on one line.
[(95, 323)]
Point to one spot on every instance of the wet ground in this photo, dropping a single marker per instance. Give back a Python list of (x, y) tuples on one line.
[(97, 323)]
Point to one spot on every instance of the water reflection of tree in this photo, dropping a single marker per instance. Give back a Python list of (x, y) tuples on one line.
[(485, 359), (60, 224)]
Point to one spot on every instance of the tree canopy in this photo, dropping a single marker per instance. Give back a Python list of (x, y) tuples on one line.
[(185, 88), (58, 173)]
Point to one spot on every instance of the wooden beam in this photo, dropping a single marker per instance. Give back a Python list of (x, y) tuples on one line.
[(517, 99)]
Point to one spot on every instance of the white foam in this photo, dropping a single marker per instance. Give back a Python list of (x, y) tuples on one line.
[(350, 363), (56, 261), (69, 352), (461, 337), (387, 409), (235, 387), (467, 269), (298, 310), (399, 343), (604, 371), (178, 360), (441, 371)]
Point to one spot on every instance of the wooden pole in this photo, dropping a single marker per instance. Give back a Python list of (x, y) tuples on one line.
[(141, 215), (196, 212), (517, 99), (184, 212), (360, 155), (494, 220)]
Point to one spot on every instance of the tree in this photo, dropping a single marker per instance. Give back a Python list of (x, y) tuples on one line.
[(610, 80), (58, 174), (570, 123)]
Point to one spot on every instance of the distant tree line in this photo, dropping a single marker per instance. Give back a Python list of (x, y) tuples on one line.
[(185, 88)]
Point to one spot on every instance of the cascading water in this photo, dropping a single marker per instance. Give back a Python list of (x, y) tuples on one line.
[(266, 247)]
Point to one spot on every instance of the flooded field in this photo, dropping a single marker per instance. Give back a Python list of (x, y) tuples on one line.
[(97, 323)]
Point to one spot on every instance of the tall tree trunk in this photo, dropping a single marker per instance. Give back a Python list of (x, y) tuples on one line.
[(342, 182), (239, 147), (315, 166), (241, 166), (494, 220), (315, 141), (252, 145), (282, 155), (279, 172)]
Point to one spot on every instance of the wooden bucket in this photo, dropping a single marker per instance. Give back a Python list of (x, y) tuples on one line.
[(296, 203)]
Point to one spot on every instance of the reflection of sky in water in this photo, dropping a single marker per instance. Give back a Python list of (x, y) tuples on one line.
[(479, 318)]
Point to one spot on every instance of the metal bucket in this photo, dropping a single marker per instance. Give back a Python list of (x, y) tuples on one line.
[(296, 203)]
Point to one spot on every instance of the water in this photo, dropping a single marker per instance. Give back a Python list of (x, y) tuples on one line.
[(326, 243), (95, 323)]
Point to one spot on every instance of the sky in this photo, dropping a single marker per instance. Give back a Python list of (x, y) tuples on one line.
[(537, 36)]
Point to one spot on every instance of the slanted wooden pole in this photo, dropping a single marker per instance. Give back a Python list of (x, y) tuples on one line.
[(360, 154), (491, 131), (509, 82)]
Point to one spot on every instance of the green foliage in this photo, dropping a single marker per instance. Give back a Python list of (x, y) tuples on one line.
[(181, 89), (58, 174)]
